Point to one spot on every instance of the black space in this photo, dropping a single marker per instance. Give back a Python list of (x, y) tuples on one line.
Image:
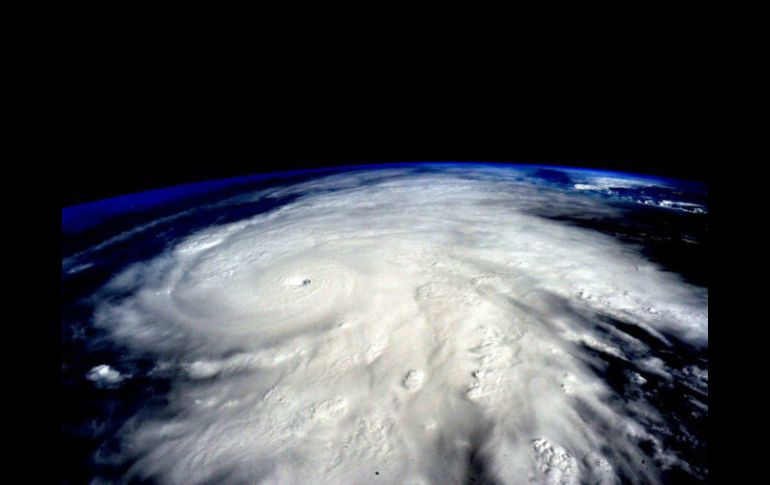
[(134, 153), (149, 98)]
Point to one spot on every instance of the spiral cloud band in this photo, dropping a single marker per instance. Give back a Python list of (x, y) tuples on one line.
[(436, 327)]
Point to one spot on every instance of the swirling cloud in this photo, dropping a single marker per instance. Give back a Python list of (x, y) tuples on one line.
[(400, 326)]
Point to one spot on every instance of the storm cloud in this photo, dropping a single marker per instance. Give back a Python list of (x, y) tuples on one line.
[(407, 327)]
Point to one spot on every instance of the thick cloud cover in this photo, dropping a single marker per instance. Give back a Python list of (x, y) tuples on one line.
[(408, 328)]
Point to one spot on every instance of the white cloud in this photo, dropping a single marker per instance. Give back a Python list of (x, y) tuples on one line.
[(392, 327), (105, 376)]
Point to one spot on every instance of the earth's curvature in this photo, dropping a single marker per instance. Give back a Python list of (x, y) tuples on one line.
[(418, 323)]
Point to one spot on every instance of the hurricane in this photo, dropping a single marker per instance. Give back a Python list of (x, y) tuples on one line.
[(411, 325)]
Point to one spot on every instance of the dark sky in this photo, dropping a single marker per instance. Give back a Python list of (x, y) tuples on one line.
[(143, 105), (138, 153)]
